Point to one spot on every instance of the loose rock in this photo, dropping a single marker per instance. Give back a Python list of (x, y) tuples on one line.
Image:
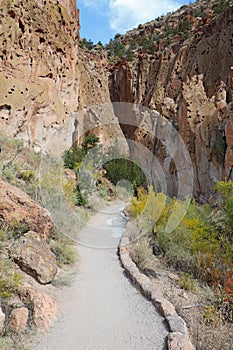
[(34, 256), (2, 320), (177, 341), (17, 206), (18, 319), (44, 307)]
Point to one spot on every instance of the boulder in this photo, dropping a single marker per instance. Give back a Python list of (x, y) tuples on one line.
[(177, 324), (33, 255), (18, 319), (174, 277), (179, 341), (17, 206), (164, 307), (2, 320), (44, 307)]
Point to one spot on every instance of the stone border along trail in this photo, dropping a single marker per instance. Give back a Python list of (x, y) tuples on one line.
[(178, 338), (101, 310)]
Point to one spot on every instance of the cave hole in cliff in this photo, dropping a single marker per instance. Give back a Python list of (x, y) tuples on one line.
[(12, 14), (228, 98), (5, 111), (21, 26), (39, 30)]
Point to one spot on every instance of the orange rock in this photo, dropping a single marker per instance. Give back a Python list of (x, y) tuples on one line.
[(17, 206), (18, 319), (44, 307)]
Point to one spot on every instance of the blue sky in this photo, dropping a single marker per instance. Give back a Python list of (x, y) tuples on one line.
[(102, 19)]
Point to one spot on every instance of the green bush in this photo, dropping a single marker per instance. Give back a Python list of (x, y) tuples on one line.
[(79, 198), (74, 156), (221, 6), (120, 168), (13, 230), (187, 282), (9, 280), (196, 246), (65, 250)]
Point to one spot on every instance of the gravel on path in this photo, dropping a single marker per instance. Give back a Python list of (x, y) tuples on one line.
[(101, 310)]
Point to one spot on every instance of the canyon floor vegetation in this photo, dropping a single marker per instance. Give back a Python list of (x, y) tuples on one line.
[(200, 251)]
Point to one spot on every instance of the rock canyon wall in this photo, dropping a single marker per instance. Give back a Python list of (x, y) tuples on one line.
[(189, 82), (45, 80), (52, 92)]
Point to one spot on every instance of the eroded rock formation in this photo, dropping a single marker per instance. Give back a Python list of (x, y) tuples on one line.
[(45, 80), (189, 82), (52, 92)]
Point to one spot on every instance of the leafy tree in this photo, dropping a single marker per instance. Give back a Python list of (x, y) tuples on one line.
[(86, 44), (221, 6), (118, 35), (74, 156), (120, 168)]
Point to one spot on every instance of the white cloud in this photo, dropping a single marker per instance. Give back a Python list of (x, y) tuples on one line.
[(95, 4), (123, 15), (126, 14)]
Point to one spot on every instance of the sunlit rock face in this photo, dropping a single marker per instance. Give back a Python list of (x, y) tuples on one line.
[(53, 93), (45, 79), (189, 82)]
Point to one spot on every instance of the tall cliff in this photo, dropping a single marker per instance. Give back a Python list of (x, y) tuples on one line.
[(188, 79), (179, 65), (45, 80)]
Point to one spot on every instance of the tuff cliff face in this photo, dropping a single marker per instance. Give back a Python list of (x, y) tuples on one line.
[(52, 92), (45, 80), (189, 81)]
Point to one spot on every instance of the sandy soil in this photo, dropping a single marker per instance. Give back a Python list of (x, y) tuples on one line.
[(101, 309)]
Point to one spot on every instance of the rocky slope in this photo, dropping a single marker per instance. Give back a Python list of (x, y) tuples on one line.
[(186, 75)]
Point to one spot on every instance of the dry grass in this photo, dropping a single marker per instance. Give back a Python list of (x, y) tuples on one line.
[(194, 302)]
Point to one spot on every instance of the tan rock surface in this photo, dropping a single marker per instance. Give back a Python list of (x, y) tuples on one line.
[(2, 320), (44, 307), (190, 83), (177, 341), (18, 319), (17, 207), (46, 80), (34, 256)]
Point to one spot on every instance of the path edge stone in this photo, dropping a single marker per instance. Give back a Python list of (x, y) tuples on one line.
[(178, 338)]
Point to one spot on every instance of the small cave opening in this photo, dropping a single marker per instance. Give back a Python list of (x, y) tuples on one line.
[(5, 111), (42, 40), (21, 25), (12, 14)]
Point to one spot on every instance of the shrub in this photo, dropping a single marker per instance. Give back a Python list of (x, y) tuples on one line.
[(195, 247), (221, 6), (79, 198), (74, 156), (9, 280), (64, 249), (142, 255), (187, 282), (14, 230), (120, 168)]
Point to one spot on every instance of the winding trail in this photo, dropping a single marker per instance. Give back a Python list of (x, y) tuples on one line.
[(101, 310)]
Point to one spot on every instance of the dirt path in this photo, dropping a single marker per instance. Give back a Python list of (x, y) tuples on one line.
[(102, 310)]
